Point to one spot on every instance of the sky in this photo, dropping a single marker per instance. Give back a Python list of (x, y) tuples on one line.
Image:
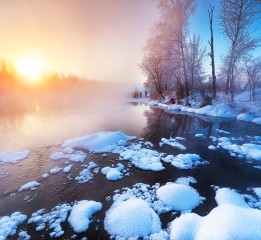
[(97, 39)]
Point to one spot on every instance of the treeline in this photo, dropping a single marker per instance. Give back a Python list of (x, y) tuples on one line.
[(51, 91), (174, 58)]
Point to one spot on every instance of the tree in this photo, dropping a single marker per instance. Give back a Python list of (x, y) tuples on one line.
[(195, 58), (252, 70), (211, 54), (237, 17)]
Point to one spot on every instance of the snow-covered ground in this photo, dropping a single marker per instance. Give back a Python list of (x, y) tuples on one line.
[(241, 108)]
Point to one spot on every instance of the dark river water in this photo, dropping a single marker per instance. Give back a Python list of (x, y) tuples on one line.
[(41, 132)]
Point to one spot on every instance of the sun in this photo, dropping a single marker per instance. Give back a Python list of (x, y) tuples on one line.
[(31, 66)]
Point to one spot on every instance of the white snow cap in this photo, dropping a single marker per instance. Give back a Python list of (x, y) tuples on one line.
[(178, 197), (132, 219), (231, 219), (81, 213), (13, 156), (29, 185), (99, 142)]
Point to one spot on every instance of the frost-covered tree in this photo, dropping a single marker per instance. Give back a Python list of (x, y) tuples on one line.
[(212, 54), (252, 70), (166, 50), (195, 59), (237, 18)]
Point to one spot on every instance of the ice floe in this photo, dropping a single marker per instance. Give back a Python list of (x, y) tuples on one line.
[(113, 174), (51, 220), (13, 156), (187, 161), (81, 213), (99, 142), (30, 185), (9, 225), (86, 175), (173, 143)]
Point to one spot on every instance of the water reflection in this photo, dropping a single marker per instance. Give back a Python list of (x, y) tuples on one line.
[(161, 123)]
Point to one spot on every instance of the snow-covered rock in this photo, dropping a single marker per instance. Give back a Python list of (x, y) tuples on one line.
[(113, 174), (257, 120)]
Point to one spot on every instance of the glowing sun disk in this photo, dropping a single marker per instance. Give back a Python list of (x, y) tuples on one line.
[(31, 66)]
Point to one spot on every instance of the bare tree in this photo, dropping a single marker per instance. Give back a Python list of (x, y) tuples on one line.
[(211, 54), (237, 17)]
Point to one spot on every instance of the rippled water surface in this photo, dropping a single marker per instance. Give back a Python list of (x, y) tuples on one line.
[(41, 132)]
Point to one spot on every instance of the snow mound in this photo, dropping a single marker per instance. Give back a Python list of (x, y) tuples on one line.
[(257, 120), (30, 185), (178, 197), (218, 110), (55, 170), (81, 213), (245, 117), (231, 219), (8, 225), (13, 156), (132, 219), (113, 174), (68, 168), (99, 142), (143, 158), (187, 161)]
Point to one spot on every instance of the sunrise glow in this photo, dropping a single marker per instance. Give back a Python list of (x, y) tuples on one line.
[(31, 66)]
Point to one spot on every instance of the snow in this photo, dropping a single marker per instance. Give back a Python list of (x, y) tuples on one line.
[(257, 192), (143, 158), (247, 149), (55, 170), (186, 180), (86, 175), (218, 110), (45, 175), (179, 197), (8, 225), (13, 156), (211, 147), (187, 161), (30, 185), (245, 117), (99, 142), (132, 218), (68, 168), (23, 235), (231, 219), (52, 220), (113, 174), (172, 142), (81, 213), (257, 120), (68, 153)]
